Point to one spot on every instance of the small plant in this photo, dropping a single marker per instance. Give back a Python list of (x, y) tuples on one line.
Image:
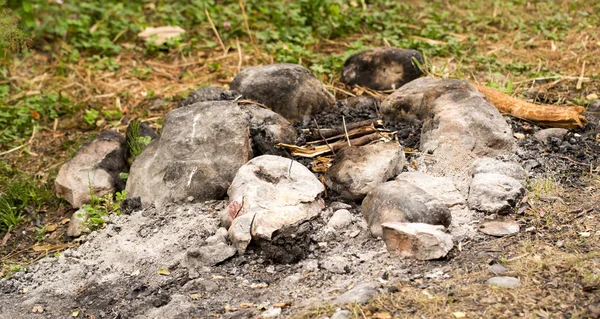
[(100, 207), (12, 269), (19, 194), (137, 142), (91, 116)]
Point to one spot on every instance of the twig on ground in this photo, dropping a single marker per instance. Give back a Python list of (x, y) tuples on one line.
[(21, 146), (212, 25), (580, 80), (239, 49), (324, 139), (346, 130), (255, 103)]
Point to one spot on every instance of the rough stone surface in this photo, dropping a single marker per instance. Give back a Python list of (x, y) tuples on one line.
[(459, 125), (494, 193), (545, 134), (276, 191), (398, 201), (128, 205), (77, 223), (197, 155), (382, 68), (357, 170), (267, 129), (341, 219), (209, 255), (489, 165), (497, 269), (499, 228), (360, 294), (96, 165), (442, 188), (504, 282), (335, 264), (209, 93), (288, 89), (422, 241)]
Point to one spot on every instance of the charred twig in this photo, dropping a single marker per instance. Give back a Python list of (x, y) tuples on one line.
[(360, 131), (313, 151), (327, 133), (323, 137)]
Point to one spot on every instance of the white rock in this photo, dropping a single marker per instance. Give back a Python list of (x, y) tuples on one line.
[(494, 193), (77, 223), (340, 219)]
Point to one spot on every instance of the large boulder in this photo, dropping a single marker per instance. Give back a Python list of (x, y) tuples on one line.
[(268, 194), (94, 170), (288, 89), (382, 68), (357, 170), (398, 201), (459, 125), (196, 158)]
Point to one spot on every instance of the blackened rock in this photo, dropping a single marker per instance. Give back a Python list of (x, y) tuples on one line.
[(129, 205), (288, 89), (382, 68), (400, 201), (95, 168), (267, 129)]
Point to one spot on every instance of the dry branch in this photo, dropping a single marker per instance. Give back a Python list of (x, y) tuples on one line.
[(540, 114), (314, 151), (329, 133)]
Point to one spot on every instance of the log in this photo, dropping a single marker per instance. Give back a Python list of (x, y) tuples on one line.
[(540, 114)]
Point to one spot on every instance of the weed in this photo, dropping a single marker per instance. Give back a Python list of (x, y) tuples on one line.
[(137, 142), (100, 207), (12, 269), (91, 116), (19, 195)]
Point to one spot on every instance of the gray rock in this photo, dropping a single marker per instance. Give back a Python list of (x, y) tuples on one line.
[(497, 269), (594, 106), (267, 129), (288, 89), (94, 169), (360, 294), (339, 205), (357, 170), (342, 314), (494, 193), (398, 201), (442, 188), (219, 237), (489, 165), (504, 282), (458, 124), (200, 285), (422, 241), (499, 228), (209, 93), (275, 194), (341, 219), (545, 134), (200, 150), (382, 68), (77, 223), (209, 255), (335, 264), (271, 312)]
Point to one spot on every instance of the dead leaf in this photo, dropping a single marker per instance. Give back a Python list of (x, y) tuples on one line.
[(164, 271), (37, 309), (92, 316), (51, 228), (160, 35), (282, 305), (5, 239), (245, 305), (75, 313), (35, 114), (382, 315), (38, 248), (459, 314), (64, 221)]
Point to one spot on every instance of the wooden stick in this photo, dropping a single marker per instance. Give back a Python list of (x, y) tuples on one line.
[(327, 133), (540, 114), (239, 66), (360, 131), (346, 130), (323, 137), (315, 151)]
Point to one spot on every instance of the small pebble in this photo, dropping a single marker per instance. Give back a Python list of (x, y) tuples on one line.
[(504, 282)]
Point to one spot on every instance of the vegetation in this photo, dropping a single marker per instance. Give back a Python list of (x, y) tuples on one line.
[(70, 69), (100, 207)]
